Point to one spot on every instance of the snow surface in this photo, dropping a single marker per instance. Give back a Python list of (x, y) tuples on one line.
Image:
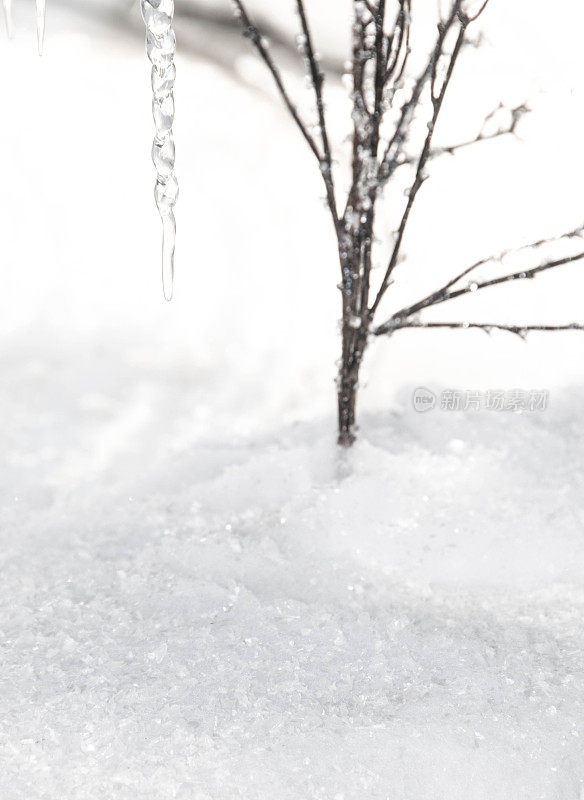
[(263, 619), (200, 598)]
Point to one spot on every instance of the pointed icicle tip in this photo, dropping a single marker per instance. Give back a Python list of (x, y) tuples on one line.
[(40, 16), (8, 18), (168, 243)]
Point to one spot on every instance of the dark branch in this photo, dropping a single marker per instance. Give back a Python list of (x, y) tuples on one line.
[(487, 327), (392, 156), (445, 293), (380, 55), (437, 95), (253, 33), (479, 12), (361, 114), (517, 113), (402, 46), (317, 80)]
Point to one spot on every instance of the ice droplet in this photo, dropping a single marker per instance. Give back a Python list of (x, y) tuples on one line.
[(8, 17), (40, 21), (160, 47)]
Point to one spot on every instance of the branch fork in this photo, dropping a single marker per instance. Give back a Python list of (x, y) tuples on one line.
[(381, 46)]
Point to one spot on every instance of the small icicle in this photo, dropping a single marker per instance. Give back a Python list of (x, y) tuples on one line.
[(8, 17), (40, 20), (160, 47)]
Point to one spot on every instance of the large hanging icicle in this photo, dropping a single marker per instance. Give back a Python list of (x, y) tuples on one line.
[(40, 21), (8, 17), (160, 46)]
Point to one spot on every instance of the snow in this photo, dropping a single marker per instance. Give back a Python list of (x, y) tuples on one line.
[(202, 599), (271, 619)]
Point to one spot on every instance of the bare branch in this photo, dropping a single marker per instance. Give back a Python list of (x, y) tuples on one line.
[(361, 114), (479, 12), (444, 293), (487, 327), (368, 189), (324, 159), (391, 157), (525, 274), (253, 34), (317, 80), (380, 53), (402, 25), (379, 64), (517, 113), (438, 95)]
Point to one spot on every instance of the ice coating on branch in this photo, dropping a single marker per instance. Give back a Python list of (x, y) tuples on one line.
[(160, 46)]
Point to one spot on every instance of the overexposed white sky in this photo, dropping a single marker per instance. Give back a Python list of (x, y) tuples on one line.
[(256, 266)]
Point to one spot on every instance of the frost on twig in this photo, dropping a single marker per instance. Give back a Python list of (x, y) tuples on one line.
[(388, 105), (450, 290), (322, 153), (509, 119), (487, 327)]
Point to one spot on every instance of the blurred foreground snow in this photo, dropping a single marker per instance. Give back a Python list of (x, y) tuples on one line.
[(200, 598)]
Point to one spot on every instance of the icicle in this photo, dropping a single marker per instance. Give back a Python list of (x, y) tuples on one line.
[(160, 46), (40, 20), (8, 17)]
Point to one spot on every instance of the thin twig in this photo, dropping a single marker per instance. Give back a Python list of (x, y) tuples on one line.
[(253, 33), (517, 113), (317, 80), (444, 293), (487, 327), (437, 102), (402, 24)]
